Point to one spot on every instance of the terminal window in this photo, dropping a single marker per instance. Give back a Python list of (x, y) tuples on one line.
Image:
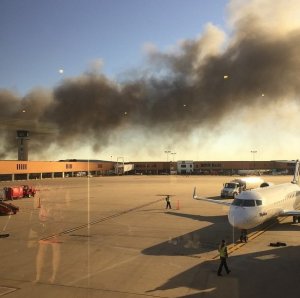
[(21, 166)]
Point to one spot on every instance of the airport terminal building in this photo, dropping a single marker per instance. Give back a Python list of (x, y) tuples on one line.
[(11, 170), (24, 169), (189, 167)]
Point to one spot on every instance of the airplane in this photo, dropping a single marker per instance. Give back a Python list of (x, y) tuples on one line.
[(253, 207)]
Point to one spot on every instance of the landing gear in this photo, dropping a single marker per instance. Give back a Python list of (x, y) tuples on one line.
[(295, 219), (244, 237)]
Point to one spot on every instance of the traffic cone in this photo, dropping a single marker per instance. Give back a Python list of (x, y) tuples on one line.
[(177, 207), (39, 203)]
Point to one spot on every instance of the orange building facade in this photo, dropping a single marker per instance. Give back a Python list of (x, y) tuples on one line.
[(16, 169)]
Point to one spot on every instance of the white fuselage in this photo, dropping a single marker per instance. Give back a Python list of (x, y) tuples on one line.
[(253, 207)]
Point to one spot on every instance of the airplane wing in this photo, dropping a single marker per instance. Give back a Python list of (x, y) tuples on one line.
[(290, 213), (220, 202)]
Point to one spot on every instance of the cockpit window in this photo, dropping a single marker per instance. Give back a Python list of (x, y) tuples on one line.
[(249, 203), (258, 202), (237, 202), (244, 203)]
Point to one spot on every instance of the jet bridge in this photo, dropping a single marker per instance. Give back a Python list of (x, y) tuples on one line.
[(121, 167)]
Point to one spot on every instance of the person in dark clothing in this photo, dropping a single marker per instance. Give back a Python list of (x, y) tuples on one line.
[(223, 256), (244, 237), (168, 206)]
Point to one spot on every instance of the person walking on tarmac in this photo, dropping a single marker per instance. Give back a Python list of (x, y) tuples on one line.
[(244, 237), (168, 206), (223, 256)]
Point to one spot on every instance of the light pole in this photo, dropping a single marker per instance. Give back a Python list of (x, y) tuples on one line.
[(173, 153), (167, 152), (254, 152)]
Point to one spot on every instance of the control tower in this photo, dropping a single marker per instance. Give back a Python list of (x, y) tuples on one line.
[(23, 139)]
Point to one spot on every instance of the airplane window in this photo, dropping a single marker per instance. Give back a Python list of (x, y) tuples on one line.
[(243, 203), (237, 202), (249, 203), (258, 202)]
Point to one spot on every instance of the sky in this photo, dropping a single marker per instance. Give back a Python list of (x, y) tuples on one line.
[(38, 37), (102, 79)]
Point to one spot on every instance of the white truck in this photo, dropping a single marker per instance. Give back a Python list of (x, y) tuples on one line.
[(234, 187)]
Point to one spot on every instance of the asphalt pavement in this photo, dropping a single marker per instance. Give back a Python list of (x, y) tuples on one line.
[(112, 237)]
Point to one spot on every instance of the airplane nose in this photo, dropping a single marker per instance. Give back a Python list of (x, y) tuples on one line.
[(231, 217), (238, 218)]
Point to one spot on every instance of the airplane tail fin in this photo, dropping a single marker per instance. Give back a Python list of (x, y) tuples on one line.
[(296, 173)]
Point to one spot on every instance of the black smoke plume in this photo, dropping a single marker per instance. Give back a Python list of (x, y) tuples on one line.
[(199, 84)]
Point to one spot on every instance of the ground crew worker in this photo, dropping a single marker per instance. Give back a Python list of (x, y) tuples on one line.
[(244, 237), (168, 202), (223, 256)]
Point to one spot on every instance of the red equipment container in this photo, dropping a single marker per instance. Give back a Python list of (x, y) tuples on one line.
[(18, 192), (15, 192)]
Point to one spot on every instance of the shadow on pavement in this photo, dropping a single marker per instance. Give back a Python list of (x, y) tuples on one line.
[(271, 273), (195, 242)]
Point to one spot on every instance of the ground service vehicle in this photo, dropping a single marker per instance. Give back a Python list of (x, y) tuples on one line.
[(233, 188), (8, 208), (18, 192)]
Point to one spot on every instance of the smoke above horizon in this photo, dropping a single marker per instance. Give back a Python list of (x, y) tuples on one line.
[(198, 84)]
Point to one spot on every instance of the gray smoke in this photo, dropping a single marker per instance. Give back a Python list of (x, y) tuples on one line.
[(199, 84)]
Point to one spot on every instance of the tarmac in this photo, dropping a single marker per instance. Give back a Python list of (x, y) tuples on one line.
[(112, 237)]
